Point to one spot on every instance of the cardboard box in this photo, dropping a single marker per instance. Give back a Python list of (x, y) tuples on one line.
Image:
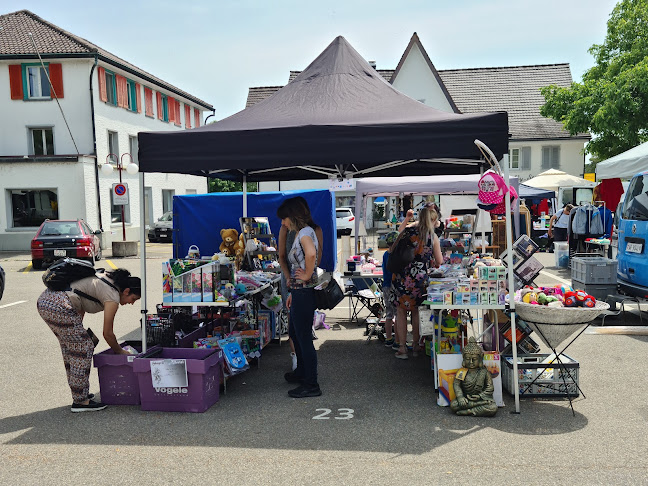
[(208, 282)]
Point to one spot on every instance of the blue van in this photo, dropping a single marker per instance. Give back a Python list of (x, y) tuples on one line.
[(632, 276)]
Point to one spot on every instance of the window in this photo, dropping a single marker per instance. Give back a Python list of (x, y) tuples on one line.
[(42, 141), (132, 148), (111, 88), (30, 81), (132, 95), (36, 81), (167, 200), (116, 210), (551, 157), (30, 207), (113, 147), (514, 156), (162, 107)]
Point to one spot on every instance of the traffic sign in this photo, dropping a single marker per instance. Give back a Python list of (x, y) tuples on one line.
[(120, 194)]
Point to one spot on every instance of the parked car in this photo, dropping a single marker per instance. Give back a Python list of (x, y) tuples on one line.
[(344, 221), (65, 238), (2, 282), (162, 229)]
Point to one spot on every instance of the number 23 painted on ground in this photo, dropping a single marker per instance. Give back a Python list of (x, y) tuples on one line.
[(345, 414)]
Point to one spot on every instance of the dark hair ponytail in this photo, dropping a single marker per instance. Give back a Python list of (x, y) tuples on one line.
[(123, 280)]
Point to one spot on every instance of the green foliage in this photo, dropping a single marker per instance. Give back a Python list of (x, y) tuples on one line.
[(222, 185), (612, 101)]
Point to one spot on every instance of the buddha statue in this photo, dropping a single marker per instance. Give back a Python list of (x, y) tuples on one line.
[(473, 385)]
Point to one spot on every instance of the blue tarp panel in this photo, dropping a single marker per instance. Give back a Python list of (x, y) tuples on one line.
[(197, 220)]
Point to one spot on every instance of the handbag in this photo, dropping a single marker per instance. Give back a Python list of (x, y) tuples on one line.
[(328, 295), (402, 254)]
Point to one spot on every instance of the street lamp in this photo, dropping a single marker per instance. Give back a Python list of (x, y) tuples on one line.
[(131, 169)]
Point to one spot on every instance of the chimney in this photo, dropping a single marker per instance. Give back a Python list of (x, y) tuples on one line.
[(372, 64)]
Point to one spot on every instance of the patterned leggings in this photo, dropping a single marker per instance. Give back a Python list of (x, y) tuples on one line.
[(77, 347)]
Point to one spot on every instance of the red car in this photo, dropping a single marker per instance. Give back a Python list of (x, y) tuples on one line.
[(64, 238)]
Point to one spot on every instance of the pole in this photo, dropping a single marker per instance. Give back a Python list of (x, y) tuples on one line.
[(245, 195), (143, 310), (509, 257)]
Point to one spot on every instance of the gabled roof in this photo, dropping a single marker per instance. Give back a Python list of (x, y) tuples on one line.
[(514, 89), (415, 41), (54, 42)]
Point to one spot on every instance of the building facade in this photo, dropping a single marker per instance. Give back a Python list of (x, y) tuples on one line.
[(69, 107)]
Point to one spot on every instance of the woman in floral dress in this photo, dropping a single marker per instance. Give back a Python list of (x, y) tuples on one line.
[(409, 288)]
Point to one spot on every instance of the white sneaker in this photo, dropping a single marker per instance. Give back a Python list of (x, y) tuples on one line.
[(293, 359)]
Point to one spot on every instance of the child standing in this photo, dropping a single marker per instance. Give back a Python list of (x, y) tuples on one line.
[(390, 310)]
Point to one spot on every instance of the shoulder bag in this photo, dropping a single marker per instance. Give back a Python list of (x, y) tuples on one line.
[(402, 254)]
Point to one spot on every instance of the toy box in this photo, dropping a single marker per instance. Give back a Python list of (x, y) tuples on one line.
[(167, 283)]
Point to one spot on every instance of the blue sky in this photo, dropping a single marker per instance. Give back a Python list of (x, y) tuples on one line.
[(217, 49)]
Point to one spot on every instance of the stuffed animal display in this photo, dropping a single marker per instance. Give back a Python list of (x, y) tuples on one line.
[(230, 241), (558, 296)]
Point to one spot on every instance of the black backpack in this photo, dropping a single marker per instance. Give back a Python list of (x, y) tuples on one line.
[(62, 273)]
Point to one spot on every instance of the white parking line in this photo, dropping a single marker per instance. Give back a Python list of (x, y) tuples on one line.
[(555, 277), (13, 303)]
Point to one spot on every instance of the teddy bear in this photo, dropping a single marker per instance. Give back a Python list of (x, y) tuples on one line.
[(230, 241), (240, 246)]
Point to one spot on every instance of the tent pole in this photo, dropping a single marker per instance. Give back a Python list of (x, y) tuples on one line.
[(143, 258), (509, 258), (245, 195)]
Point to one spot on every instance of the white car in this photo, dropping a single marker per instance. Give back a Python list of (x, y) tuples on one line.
[(344, 221)]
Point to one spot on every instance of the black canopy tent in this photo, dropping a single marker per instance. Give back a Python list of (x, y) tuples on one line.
[(339, 117)]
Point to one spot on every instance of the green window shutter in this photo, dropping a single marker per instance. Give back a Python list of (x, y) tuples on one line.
[(525, 163)]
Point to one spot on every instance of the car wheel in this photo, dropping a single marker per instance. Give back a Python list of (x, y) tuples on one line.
[(37, 264), (91, 260), (152, 240), (348, 232), (98, 255)]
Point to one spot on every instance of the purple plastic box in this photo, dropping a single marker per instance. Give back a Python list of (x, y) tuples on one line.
[(188, 340), (204, 370), (117, 382)]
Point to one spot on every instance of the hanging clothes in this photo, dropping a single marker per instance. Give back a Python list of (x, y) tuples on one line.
[(609, 191)]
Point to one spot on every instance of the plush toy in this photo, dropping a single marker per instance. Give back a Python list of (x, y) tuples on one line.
[(240, 246), (230, 241), (579, 298)]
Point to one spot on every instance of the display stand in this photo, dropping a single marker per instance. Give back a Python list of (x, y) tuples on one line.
[(258, 228)]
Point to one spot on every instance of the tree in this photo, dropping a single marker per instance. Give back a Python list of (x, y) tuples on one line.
[(222, 185), (612, 101)]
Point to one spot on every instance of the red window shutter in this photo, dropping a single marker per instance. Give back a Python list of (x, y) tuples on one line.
[(196, 117), (56, 75), (160, 109), (15, 81), (170, 104), (177, 113), (187, 116), (148, 101), (138, 97), (122, 91), (101, 75)]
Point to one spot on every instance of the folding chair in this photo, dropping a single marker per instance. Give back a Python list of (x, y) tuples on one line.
[(364, 299)]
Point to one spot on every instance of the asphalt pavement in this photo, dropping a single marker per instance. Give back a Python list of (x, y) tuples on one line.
[(376, 422)]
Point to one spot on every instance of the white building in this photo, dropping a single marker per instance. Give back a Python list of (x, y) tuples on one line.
[(536, 144), (55, 137)]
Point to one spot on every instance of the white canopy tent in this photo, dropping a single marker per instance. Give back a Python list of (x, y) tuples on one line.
[(553, 179), (443, 184), (625, 165)]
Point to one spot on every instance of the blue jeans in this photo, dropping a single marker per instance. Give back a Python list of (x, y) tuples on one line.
[(302, 310)]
